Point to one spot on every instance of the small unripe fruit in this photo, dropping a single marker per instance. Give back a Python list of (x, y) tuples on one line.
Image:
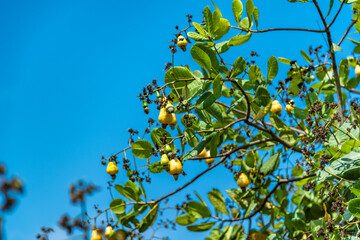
[(129, 173), (112, 169), (243, 180), (164, 159), (290, 106), (209, 160), (357, 70), (276, 107), (202, 153), (234, 212), (119, 235), (146, 110), (175, 167), (167, 148), (145, 104), (96, 234), (173, 121), (167, 118), (108, 231), (182, 43)]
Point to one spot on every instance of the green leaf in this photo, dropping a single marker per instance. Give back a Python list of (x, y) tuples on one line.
[(354, 207), (272, 163), (297, 171), (251, 207), (239, 67), (277, 122), (294, 86), (214, 142), (263, 112), (342, 135), (197, 210), (201, 227), (331, 5), (222, 47), (201, 57), (344, 71), (349, 146), (217, 199), (249, 9), (306, 57), (215, 110), (185, 220), (335, 48), (197, 36), (142, 149), (300, 113), (134, 187), (273, 68), (156, 167), (262, 96), (199, 28), (128, 192), (211, 54), (221, 28), (237, 8), (178, 73), (284, 60), (191, 138), (252, 157), (355, 191), (160, 136), (190, 121), (217, 86), (310, 98), (289, 136), (254, 73), (195, 151), (256, 15), (240, 39), (216, 7), (149, 218), (348, 167), (237, 195), (117, 206), (135, 211), (205, 101), (353, 82), (215, 20), (208, 19)]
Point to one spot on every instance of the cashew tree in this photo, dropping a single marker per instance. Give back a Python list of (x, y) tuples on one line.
[(249, 121)]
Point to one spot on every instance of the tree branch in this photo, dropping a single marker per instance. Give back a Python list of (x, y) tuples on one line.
[(336, 15), (269, 124), (226, 156), (246, 98), (278, 29), (334, 65), (279, 183), (347, 31)]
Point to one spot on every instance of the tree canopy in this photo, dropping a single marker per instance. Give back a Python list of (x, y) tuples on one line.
[(291, 142)]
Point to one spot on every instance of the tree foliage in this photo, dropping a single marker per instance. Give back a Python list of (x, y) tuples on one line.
[(230, 110)]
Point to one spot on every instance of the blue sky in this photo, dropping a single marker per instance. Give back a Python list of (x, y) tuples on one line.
[(70, 73)]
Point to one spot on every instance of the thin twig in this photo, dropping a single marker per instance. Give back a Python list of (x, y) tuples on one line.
[(278, 29)]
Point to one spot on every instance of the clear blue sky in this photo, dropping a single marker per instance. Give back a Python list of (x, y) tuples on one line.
[(70, 72)]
